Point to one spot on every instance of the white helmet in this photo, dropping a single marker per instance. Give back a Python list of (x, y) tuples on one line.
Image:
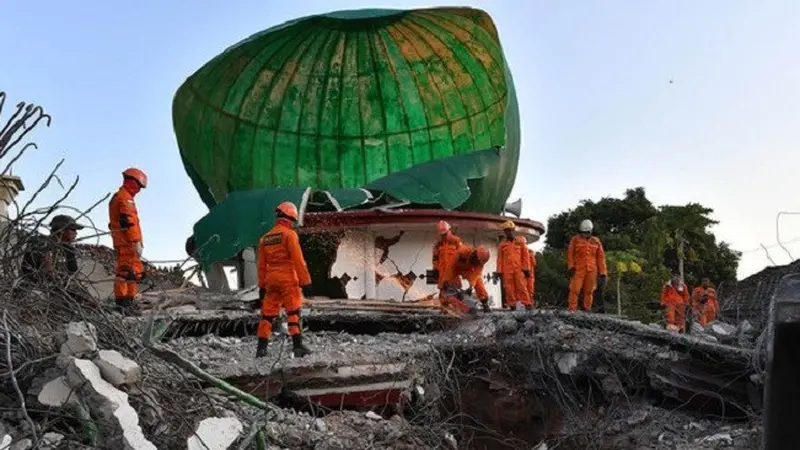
[(586, 226)]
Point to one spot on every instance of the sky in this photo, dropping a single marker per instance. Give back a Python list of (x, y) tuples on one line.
[(599, 114)]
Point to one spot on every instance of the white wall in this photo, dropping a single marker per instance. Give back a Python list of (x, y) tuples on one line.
[(411, 254)]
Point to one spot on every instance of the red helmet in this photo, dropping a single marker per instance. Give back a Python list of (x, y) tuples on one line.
[(136, 174), (442, 227), (288, 209), (482, 254)]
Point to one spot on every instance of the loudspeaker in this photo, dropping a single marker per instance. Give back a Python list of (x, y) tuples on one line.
[(514, 208)]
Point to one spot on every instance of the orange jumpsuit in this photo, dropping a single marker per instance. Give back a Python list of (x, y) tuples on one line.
[(674, 303), (461, 267), (529, 264), (708, 312), (510, 257), (281, 272), (444, 253), (587, 257), (125, 233)]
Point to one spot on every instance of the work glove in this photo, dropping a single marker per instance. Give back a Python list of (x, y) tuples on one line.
[(306, 291), (526, 272), (601, 282), (570, 272), (139, 248)]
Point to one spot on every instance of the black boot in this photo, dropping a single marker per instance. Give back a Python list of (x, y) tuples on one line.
[(128, 307), (299, 349), (261, 350), (485, 306)]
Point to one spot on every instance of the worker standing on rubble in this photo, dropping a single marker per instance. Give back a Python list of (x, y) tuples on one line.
[(510, 256), (528, 268), (674, 299), (586, 265), (126, 235), (283, 279), (468, 264), (704, 302), (444, 251)]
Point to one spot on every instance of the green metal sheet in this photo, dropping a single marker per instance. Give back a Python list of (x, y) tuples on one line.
[(339, 100), (240, 220)]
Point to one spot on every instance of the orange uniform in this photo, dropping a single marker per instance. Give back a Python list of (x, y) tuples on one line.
[(126, 232), (529, 268), (586, 257), (462, 267), (444, 254), (510, 257), (674, 302), (281, 272), (707, 312)]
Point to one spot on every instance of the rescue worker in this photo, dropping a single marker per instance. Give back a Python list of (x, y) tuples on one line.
[(510, 256), (528, 268), (126, 235), (283, 279), (52, 258), (468, 264), (674, 299), (586, 261), (444, 251), (704, 302)]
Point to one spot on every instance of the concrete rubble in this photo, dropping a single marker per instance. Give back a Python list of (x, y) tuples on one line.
[(79, 339), (215, 433), (117, 369), (539, 379), (120, 422)]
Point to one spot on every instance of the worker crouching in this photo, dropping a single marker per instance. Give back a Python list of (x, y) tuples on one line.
[(704, 302), (283, 279), (468, 264), (510, 257), (674, 299), (586, 262), (126, 235)]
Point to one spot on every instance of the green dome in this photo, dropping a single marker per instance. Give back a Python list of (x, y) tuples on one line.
[(346, 98)]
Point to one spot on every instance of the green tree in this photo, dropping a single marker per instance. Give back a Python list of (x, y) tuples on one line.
[(661, 239)]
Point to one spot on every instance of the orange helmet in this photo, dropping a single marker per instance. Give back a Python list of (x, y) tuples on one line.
[(483, 254), (442, 227), (137, 175), (288, 209)]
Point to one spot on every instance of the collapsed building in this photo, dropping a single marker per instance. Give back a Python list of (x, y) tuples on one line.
[(377, 123)]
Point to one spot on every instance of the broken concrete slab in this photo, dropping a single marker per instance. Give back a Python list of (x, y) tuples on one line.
[(57, 393), (79, 339), (120, 428), (95, 279), (215, 433), (117, 369), (50, 441), (5, 443)]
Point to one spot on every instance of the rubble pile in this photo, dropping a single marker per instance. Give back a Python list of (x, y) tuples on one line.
[(537, 379), (163, 278)]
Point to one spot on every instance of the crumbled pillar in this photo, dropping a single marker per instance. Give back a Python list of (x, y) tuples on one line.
[(119, 421), (117, 369), (215, 433)]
